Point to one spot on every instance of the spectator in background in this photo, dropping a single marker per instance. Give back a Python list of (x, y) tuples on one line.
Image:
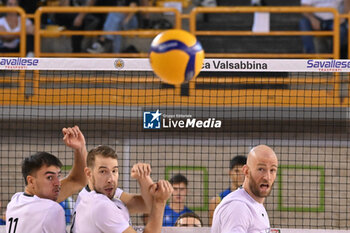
[(176, 206), (67, 20), (236, 177), (82, 21), (11, 22), (117, 21), (79, 19), (189, 219), (323, 21)]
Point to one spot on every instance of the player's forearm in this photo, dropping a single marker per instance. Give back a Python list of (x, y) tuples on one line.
[(145, 183), (77, 173), (76, 179), (155, 221)]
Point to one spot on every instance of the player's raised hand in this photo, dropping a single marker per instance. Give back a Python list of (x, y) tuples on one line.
[(73, 138), (161, 191), (140, 170)]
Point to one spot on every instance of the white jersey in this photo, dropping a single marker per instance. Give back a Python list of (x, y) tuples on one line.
[(33, 214), (82, 193), (238, 212), (96, 213), (13, 43), (336, 4)]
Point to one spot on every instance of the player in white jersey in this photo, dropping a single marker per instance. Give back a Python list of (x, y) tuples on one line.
[(116, 199), (36, 209), (100, 211), (242, 211)]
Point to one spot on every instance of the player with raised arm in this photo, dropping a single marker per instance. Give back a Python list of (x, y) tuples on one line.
[(36, 209), (100, 210), (242, 211), (134, 203)]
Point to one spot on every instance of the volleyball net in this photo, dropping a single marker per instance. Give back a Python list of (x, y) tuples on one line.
[(298, 107)]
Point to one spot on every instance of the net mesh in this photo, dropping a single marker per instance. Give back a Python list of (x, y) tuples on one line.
[(296, 107)]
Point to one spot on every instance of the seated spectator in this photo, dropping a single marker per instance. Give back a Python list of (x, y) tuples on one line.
[(189, 220), (116, 22), (176, 205), (82, 21), (67, 20), (11, 22), (322, 21), (236, 177)]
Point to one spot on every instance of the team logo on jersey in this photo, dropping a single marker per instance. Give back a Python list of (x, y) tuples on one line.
[(151, 120)]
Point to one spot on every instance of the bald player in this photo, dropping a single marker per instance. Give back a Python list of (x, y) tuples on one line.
[(243, 210)]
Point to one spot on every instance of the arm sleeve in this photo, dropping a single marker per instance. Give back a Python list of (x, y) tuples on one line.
[(108, 218), (236, 217), (118, 193), (54, 221)]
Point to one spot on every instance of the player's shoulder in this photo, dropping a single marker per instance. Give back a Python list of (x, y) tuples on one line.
[(98, 200), (22, 197), (16, 196), (47, 205), (238, 198), (186, 210), (229, 208), (23, 202), (84, 191)]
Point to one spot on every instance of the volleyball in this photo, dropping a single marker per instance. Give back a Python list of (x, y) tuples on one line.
[(176, 56)]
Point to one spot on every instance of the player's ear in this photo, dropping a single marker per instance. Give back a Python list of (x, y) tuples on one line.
[(30, 180), (88, 172), (245, 169)]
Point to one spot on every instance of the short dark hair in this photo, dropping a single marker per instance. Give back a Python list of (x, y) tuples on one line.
[(104, 151), (189, 215), (238, 160), (34, 162), (178, 178)]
